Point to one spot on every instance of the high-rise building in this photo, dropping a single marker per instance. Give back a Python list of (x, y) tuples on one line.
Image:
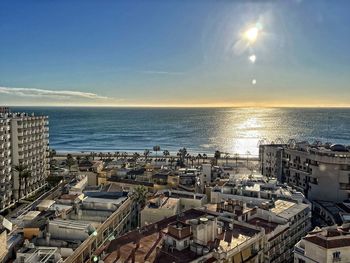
[(23, 142), (320, 171)]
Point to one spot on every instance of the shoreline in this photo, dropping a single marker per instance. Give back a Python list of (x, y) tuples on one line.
[(152, 155)]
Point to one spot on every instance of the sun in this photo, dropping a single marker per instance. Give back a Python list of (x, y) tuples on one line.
[(251, 34)]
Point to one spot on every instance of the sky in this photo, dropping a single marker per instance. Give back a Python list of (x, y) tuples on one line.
[(175, 53)]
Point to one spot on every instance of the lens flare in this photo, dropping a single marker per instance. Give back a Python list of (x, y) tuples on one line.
[(254, 81), (252, 58)]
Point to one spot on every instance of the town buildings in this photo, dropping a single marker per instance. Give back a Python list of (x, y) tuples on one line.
[(321, 171), (192, 236), (23, 141), (326, 245)]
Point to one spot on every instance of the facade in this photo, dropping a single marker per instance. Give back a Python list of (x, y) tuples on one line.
[(167, 203), (254, 191), (327, 245), (322, 172), (284, 224), (271, 161), (23, 141)]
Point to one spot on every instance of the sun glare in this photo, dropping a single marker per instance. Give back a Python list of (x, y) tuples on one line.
[(251, 34)]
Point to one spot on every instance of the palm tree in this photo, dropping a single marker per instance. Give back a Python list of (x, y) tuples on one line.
[(172, 160), (139, 195), (135, 156), (78, 159), (204, 157), (146, 153), (217, 156), (100, 155), (70, 161), (156, 149), (188, 156), (22, 173), (116, 155), (166, 153), (227, 156), (182, 155), (199, 156), (192, 159)]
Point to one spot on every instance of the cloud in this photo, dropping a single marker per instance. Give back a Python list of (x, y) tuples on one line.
[(54, 94), (161, 72)]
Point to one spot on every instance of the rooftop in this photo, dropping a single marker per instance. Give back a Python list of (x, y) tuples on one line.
[(143, 243), (330, 237)]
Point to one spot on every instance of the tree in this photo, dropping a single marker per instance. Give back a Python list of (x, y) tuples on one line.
[(182, 155), (217, 156), (192, 159), (116, 155), (156, 149), (135, 156), (139, 195), (78, 159), (166, 153), (188, 157), (199, 156), (70, 161), (100, 155), (22, 173), (146, 154), (204, 157)]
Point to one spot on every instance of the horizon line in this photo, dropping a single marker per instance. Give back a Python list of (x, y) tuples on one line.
[(183, 106)]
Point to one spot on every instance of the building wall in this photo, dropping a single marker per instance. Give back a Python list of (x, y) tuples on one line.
[(318, 173), (3, 245), (6, 181), (23, 140), (151, 215)]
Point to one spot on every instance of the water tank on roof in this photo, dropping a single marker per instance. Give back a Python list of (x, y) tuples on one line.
[(338, 148)]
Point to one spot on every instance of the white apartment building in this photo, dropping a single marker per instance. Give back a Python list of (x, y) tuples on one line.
[(326, 245), (284, 224), (23, 141), (321, 171)]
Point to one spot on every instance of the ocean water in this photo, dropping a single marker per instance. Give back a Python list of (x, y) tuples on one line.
[(200, 130)]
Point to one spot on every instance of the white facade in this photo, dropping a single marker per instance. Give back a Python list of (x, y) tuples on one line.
[(23, 141), (330, 244), (322, 172)]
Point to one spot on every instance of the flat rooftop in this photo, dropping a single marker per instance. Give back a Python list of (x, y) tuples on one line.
[(287, 209)]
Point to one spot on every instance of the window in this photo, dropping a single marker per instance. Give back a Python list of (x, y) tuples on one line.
[(185, 243), (336, 255), (174, 243), (301, 260)]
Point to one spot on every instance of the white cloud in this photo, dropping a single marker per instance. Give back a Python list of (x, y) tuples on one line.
[(54, 94), (161, 72)]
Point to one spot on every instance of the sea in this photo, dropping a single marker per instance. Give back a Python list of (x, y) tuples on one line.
[(200, 130)]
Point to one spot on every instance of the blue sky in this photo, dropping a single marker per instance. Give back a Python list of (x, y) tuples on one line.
[(174, 53)]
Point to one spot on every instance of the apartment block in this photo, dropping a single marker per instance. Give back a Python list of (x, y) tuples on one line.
[(23, 141), (320, 171), (327, 245)]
